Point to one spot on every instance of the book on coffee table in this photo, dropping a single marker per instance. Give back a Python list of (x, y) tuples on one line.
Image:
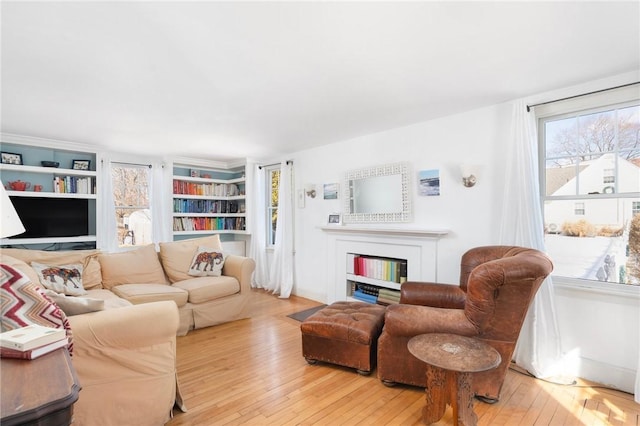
[(33, 353), (30, 337)]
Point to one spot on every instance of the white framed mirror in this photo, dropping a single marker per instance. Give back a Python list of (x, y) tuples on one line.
[(378, 194)]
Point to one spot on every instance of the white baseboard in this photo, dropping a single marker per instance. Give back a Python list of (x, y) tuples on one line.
[(609, 375)]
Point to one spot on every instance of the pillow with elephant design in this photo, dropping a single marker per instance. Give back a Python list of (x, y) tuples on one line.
[(207, 262), (64, 279)]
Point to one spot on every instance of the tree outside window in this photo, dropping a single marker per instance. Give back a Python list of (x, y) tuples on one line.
[(131, 194), (591, 192), (273, 185)]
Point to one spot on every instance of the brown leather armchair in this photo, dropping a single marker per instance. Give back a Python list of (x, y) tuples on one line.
[(497, 284)]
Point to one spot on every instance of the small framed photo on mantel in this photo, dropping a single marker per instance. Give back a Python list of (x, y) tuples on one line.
[(335, 219)]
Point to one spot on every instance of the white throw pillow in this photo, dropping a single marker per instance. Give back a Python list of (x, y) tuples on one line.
[(65, 279)]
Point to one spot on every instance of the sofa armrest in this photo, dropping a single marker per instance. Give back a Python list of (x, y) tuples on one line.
[(126, 327), (125, 359), (241, 268), (432, 294)]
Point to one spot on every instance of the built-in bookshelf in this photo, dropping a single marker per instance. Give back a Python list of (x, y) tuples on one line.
[(375, 279), (208, 200), (57, 199)]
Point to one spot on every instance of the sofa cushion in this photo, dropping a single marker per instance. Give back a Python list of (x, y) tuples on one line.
[(110, 300), (91, 274), (176, 256), (63, 279), (203, 289), (24, 303), (145, 293), (131, 267), (207, 257)]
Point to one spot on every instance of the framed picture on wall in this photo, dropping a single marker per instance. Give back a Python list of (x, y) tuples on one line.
[(330, 191)]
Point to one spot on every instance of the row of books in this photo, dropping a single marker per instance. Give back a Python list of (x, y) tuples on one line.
[(74, 185), (206, 206), (31, 342), (393, 270), (208, 189), (208, 223), (373, 294)]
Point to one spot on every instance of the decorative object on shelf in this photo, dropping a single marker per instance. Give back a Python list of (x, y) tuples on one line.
[(468, 172), (310, 190), (81, 164), (50, 164), (330, 191), (429, 182), (37, 188), (11, 158), (206, 176), (10, 224), (19, 185), (195, 173), (335, 219)]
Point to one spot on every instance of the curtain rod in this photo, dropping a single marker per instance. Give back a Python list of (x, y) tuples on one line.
[(274, 164), (130, 164), (583, 94)]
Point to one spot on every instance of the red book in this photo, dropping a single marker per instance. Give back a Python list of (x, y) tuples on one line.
[(33, 353)]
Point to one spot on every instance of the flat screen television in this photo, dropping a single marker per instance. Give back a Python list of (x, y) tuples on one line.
[(52, 217)]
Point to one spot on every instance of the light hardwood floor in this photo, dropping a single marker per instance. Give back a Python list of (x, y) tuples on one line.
[(252, 372)]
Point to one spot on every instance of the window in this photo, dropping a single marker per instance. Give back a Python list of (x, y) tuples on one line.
[(590, 172), (272, 185), (608, 176), (131, 194)]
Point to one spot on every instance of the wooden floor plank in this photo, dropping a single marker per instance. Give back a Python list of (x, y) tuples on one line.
[(251, 372)]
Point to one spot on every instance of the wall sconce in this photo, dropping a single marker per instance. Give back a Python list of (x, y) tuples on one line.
[(468, 175), (310, 190)]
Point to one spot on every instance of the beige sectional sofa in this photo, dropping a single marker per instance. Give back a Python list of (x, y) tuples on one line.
[(125, 351)]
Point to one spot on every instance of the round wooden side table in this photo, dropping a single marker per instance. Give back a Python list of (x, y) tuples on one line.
[(451, 359)]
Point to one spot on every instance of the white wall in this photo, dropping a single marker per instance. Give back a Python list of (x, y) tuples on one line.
[(469, 213), (472, 215)]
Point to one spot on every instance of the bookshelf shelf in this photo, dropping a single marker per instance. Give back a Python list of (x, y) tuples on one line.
[(208, 200)]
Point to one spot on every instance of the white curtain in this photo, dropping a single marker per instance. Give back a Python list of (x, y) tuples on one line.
[(281, 271), (260, 277), (109, 241), (538, 349), (161, 220)]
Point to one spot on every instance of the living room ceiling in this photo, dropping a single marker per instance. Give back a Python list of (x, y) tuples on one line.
[(225, 80)]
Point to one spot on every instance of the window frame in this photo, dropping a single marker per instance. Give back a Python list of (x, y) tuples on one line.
[(599, 103)]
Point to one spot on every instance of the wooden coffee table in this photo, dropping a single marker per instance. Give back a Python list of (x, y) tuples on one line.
[(451, 360)]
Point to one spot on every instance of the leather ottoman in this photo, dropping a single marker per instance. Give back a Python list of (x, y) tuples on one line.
[(344, 333)]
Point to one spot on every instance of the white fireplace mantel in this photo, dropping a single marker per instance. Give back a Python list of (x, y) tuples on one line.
[(417, 245), (409, 232)]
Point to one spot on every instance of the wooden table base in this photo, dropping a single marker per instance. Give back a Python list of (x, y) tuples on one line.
[(451, 359), (448, 387)]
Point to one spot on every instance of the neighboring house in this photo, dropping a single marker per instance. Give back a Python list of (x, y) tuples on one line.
[(595, 177)]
